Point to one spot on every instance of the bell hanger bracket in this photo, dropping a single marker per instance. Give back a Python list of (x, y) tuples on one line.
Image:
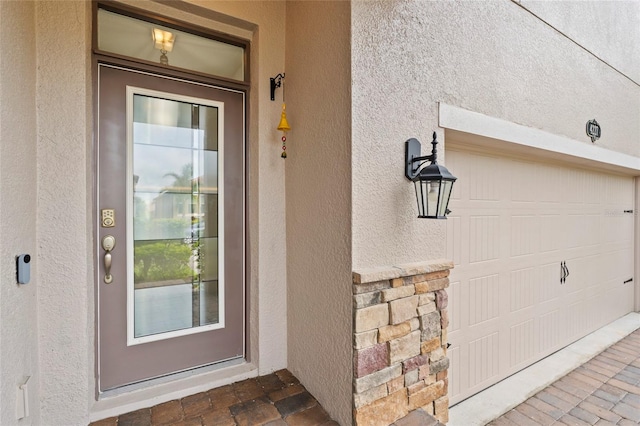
[(275, 83)]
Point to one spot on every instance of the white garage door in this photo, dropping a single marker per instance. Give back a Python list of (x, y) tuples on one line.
[(513, 222)]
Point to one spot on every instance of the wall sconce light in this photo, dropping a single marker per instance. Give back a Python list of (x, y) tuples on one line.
[(163, 41), (433, 183)]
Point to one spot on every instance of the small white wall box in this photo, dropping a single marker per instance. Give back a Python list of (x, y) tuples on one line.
[(23, 268), (22, 402)]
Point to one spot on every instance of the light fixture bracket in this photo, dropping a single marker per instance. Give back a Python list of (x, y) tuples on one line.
[(275, 83), (412, 155)]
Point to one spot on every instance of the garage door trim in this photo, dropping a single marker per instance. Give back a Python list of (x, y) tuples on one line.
[(513, 137)]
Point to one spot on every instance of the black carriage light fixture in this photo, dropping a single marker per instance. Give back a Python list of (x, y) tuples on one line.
[(433, 182)]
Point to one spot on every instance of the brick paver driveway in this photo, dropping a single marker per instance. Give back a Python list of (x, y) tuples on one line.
[(604, 391)]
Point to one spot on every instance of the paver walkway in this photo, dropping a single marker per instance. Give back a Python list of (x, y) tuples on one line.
[(274, 400), (603, 391)]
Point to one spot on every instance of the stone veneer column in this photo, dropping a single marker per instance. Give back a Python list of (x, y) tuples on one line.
[(400, 343)]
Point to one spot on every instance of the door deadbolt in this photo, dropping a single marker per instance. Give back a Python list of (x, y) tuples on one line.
[(108, 218)]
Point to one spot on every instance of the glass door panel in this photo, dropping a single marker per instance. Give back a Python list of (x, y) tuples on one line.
[(175, 287), (170, 173)]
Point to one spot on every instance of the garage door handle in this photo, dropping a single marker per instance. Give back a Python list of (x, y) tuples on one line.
[(564, 272)]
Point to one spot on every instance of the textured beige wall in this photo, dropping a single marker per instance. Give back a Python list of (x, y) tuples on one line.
[(318, 197), (18, 304), (492, 57), (607, 28), (65, 252)]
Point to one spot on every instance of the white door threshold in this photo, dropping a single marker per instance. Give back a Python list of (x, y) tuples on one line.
[(512, 391)]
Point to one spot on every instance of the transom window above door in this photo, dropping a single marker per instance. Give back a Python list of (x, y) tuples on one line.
[(152, 42)]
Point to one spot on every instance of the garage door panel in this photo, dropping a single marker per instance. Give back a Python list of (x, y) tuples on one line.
[(514, 222), (552, 230), (525, 232), (593, 184), (594, 313), (523, 343), (575, 317), (609, 264), (577, 190), (549, 284), (454, 306), (581, 273), (616, 190), (482, 186), (455, 238), (590, 291), (618, 299), (617, 265), (524, 185), (454, 375), (483, 291), (484, 238), (583, 229), (617, 226), (552, 184), (551, 331), (523, 288), (483, 362)]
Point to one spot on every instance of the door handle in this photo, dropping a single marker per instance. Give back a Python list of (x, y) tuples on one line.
[(564, 271), (108, 243)]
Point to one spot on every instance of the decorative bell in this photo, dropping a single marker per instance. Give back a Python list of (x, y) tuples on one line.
[(284, 125)]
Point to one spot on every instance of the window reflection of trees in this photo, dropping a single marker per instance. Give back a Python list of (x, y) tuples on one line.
[(176, 215)]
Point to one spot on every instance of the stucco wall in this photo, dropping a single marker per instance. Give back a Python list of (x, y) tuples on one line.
[(609, 29), (65, 252), (18, 304), (493, 57), (318, 177)]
